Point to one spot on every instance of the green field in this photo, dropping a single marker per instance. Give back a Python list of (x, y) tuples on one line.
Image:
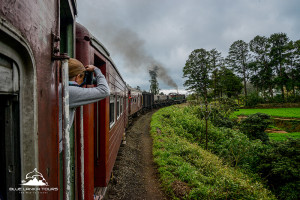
[(283, 136), (275, 112)]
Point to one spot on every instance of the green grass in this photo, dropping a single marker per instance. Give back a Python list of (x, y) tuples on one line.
[(283, 136), (275, 112)]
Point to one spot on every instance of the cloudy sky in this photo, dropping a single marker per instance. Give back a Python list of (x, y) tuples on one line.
[(141, 34)]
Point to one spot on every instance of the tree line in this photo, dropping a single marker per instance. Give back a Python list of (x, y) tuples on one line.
[(267, 64)]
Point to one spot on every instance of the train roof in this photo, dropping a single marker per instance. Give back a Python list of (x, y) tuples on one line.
[(134, 89), (98, 46), (176, 94)]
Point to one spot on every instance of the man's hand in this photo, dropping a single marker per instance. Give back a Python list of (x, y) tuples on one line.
[(90, 68)]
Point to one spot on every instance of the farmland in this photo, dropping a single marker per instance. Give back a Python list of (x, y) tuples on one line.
[(274, 112), (283, 136), (285, 113)]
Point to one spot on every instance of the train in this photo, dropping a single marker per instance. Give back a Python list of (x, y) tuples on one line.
[(36, 40)]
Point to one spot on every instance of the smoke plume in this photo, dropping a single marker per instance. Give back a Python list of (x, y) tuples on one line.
[(131, 47)]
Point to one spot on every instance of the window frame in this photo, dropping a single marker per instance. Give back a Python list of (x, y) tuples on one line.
[(118, 114), (121, 105), (112, 100)]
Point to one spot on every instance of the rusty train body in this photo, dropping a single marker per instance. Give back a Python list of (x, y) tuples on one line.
[(35, 38)]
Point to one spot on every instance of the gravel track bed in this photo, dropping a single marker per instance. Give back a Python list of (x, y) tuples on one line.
[(135, 174)]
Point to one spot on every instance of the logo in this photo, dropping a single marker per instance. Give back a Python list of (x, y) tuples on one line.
[(34, 183), (34, 178)]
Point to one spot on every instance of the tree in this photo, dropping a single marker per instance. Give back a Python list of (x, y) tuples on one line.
[(238, 58), (216, 62), (293, 66), (296, 65), (153, 81), (216, 83), (138, 88), (278, 54), (196, 70), (231, 83), (261, 67)]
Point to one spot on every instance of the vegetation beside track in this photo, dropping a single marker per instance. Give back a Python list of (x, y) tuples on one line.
[(188, 171)]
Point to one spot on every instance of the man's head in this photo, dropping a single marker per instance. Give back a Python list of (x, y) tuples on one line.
[(76, 71)]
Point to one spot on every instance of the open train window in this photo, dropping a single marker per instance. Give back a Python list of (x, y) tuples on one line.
[(111, 111)]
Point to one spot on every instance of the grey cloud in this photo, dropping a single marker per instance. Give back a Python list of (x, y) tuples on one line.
[(165, 32)]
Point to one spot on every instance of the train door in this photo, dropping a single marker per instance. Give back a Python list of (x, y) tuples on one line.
[(10, 167), (103, 120), (18, 112)]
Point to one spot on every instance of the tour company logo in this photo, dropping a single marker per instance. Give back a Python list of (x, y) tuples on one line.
[(32, 182)]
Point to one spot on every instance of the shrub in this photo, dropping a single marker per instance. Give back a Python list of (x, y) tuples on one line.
[(293, 99), (221, 121), (253, 99), (254, 126), (277, 99), (279, 164), (219, 112)]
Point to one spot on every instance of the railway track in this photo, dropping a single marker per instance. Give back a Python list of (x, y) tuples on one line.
[(135, 174)]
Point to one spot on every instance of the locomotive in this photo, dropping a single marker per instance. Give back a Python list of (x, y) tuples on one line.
[(36, 39)]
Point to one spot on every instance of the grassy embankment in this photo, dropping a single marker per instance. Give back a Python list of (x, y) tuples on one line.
[(188, 171)]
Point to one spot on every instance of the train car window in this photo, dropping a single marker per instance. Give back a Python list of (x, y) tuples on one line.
[(66, 29), (118, 107), (121, 105), (140, 102), (111, 111)]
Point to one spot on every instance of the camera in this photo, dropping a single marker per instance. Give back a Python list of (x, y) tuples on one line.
[(89, 78)]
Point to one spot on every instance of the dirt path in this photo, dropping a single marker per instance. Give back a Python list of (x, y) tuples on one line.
[(135, 174)]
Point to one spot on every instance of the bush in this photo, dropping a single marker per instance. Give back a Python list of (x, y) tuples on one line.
[(279, 164), (293, 99), (221, 121), (254, 126), (253, 99), (219, 112), (277, 99)]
